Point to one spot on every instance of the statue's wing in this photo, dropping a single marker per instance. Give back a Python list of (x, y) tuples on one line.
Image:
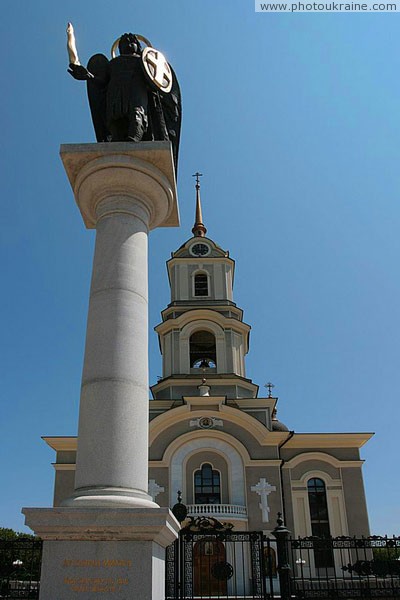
[(98, 66), (172, 109)]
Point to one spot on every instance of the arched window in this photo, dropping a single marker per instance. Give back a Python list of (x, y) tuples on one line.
[(201, 284), (203, 353), (207, 485), (319, 520)]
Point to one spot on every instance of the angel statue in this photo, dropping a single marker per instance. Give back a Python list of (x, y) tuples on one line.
[(134, 96)]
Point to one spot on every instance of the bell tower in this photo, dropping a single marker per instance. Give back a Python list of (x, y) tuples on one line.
[(202, 333)]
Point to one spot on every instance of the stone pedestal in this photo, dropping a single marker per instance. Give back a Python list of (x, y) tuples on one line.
[(119, 553), (122, 190)]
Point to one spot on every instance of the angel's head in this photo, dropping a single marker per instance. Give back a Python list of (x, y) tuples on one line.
[(128, 44)]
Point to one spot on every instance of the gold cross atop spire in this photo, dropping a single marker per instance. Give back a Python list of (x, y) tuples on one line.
[(198, 227)]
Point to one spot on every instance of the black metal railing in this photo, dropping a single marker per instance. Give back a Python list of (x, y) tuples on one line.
[(20, 562), (211, 560), (222, 565), (345, 567)]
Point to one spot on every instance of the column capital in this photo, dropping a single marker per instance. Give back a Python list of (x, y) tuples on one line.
[(130, 175)]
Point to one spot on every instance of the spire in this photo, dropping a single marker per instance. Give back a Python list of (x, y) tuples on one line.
[(198, 227)]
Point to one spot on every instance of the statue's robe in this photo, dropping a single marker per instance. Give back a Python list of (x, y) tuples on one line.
[(127, 89)]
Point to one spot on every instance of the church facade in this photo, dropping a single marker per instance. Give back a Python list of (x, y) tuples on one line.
[(213, 438)]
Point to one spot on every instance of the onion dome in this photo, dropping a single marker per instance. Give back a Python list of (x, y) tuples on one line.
[(276, 424)]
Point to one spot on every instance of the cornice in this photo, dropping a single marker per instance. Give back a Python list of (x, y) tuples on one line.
[(328, 440), (64, 466), (187, 306), (212, 379), (59, 443), (161, 404), (202, 259), (255, 403), (202, 314), (248, 462)]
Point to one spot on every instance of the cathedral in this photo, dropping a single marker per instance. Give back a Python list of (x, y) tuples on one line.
[(213, 438)]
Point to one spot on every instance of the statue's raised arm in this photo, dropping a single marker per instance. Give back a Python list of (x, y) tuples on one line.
[(134, 96)]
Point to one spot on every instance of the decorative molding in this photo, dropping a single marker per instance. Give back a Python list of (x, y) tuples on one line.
[(263, 489), (234, 310), (198, 316), (64, 466), (263, 436), (206, 422), (326, 478), (201, 435), (323, 456), (179, 454)]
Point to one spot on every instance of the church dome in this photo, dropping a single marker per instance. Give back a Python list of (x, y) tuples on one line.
[(276, 424)]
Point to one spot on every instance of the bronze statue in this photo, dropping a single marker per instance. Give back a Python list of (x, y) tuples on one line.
[(134, 96)]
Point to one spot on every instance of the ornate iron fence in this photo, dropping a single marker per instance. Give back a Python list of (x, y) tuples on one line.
[(209, 560), (345, 567), (20, 562)]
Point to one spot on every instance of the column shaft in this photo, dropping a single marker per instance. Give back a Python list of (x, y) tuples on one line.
[(123, 194), (114, 395)]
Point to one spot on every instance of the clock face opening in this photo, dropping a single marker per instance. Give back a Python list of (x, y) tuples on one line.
[(199, 249)]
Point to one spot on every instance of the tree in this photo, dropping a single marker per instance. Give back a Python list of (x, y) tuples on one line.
[(20, 561), (10, 534)]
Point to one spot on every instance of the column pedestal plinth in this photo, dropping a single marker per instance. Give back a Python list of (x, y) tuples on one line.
[(119, 553)]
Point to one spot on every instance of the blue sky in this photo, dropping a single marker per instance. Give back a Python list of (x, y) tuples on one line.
[(294, 121)]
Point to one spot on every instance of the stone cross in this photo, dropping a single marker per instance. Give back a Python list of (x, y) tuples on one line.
[(154, 489), (263, 489)]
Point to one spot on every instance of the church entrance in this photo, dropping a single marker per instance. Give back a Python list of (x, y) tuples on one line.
[(209, 561), (208, 556)]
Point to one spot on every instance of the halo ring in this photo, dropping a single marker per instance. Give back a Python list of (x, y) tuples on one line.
[(114, 47)]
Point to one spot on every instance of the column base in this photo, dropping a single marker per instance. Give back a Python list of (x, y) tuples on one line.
[(109, 497), (119, 551)]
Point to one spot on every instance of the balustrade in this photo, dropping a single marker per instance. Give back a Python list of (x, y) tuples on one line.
[(234, 510)]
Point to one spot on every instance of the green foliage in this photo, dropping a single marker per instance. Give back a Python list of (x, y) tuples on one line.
[(383, 554), (10, 534)]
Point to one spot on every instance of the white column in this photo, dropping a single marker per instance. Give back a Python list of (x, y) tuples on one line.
[(123, 190), (122, 196)]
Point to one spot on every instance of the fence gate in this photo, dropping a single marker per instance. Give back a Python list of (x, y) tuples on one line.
[(210, 561)]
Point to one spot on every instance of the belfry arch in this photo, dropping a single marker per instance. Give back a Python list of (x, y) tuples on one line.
[(202, 350), (197, 335)]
